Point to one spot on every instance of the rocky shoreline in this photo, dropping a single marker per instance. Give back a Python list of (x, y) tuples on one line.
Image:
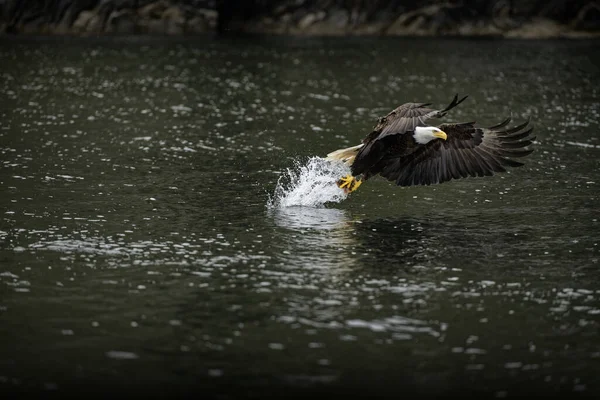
[(92, 17), (468, 18)]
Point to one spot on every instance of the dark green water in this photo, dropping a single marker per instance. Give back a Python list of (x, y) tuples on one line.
[(138, 253)]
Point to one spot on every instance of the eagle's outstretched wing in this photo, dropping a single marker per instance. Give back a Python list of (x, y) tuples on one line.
[(468, 151), (407, 117)]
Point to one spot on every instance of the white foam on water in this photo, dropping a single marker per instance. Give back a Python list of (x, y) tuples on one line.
[(310, 184), (588, 145)]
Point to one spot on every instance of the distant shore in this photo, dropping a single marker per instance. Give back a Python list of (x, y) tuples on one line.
[(313, 18)]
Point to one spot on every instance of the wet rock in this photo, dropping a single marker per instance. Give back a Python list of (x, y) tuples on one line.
[(153, 10), (310, 19), (161, 17), (84, 20), (478, 29), (122, 22), (505, 18), (34, 26), (339, 18), (63, 20), (202, 20), (285, 18), (539, 28), (174, 21), (197, 25), (207, 14), (425, 21)]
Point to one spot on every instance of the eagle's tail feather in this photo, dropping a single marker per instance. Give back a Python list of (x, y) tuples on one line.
[(346, 155)]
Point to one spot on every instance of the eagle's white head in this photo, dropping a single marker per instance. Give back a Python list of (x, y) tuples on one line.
[(425, 134)]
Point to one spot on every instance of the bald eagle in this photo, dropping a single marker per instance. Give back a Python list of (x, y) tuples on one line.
[(404, 149)]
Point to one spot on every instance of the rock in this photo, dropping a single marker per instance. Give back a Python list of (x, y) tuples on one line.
[(269, 25), (538, 28), (196, 25), (323, 28), (151, 26), (424, 21), (83, 20), (63, 24), (153, 10), (203, 20), (208, 14), (508, 18), (174, 21), (373, 28), (162, 18), (357, 17), (173, 28), (339, 18), (174, 13), (121, 21), (285, 18), (478, 29), (96, 24), (310, 19), (34, 26)]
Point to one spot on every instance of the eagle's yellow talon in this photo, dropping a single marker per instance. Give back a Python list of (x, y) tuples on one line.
[(344, 182), (348, 183)]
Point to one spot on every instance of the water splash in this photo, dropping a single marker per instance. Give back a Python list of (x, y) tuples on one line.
[(310, 184)]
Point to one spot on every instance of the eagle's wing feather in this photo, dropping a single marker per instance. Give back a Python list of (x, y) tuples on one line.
[(468, 151), (407, 117)]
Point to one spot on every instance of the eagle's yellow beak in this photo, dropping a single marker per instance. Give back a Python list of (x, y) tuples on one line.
[(441, 135)]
